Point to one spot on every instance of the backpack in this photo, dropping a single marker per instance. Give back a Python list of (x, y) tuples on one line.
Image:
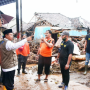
[(21, 48)]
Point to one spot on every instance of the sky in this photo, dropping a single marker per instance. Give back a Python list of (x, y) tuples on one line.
[(69, 8)]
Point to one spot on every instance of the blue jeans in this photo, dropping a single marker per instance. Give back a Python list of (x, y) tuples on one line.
[(87, 58)]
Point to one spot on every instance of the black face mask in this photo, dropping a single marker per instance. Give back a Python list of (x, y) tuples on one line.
[(64, 39)]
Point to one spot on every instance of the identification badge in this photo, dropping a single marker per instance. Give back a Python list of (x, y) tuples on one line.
[(61, 43), (64, 45), (88, 38)]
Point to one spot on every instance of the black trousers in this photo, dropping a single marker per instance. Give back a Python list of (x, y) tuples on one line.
[(44, 61), (8, 79), (22, 61), (65, 74)]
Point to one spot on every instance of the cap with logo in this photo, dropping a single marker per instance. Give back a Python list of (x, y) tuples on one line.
[(65, 33)]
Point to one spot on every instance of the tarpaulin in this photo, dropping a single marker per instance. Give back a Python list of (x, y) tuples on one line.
[(4, 2)]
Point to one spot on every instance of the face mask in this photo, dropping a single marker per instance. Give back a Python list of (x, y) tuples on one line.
[(64, 39), (23, 38)]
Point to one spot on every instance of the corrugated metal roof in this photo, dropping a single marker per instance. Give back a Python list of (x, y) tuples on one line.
[(79, 22), (56, 19), (4, 2)]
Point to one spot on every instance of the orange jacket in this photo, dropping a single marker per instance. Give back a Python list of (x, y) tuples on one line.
[(25, 50), (45, 50)]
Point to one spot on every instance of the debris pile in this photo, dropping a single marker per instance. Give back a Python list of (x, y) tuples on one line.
[(79, 41), (34, 47), (32, 59), (55, 68)]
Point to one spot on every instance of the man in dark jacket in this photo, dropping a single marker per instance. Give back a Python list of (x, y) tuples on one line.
[(64, 57), (87, 49)]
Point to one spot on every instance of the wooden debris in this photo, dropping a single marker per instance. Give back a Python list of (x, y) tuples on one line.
[(32, 59), (32, 62), (79, 57), (55, 50), (82, 65), (55, 55), (58, 42)]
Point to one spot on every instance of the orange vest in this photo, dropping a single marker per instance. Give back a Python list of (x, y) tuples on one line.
[(45, 50), (25, 51)]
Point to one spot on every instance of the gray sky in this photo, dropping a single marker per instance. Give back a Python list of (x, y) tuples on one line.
[(69, 8)]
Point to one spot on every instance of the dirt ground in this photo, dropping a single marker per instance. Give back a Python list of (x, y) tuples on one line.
[(27, 81)]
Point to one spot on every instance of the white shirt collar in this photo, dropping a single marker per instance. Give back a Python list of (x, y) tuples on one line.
[(6, 39)]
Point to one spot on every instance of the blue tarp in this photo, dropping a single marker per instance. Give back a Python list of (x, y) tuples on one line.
[(39, 32), (4, 2), (77, 32)]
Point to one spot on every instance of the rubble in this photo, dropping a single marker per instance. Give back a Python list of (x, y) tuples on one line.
[(81, 65), (55, 68), (79, 57), (34, 47), (32, 59)]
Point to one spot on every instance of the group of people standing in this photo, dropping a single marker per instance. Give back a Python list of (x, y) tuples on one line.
[(9, 62)]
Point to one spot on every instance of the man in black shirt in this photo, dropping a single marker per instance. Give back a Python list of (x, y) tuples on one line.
[(87, 49), (65, 56)]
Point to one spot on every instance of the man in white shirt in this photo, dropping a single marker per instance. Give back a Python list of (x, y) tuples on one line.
[(9, 58)]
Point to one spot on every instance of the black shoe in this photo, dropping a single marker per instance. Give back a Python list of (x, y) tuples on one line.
[(18, 72), (45, 80), (24, 72), (62, 85), (37, 80)]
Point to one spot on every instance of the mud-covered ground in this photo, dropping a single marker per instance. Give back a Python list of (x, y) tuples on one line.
[(75, 75), (78, 81), (27, 81)]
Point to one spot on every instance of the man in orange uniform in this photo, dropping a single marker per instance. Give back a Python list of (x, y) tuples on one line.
[(45, 53), (22, 53)]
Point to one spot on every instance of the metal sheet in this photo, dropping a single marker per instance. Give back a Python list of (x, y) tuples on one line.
[(39, 32), (78, 32)]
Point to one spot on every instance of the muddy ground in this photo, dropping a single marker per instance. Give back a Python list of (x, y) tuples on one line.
[(78, 81)]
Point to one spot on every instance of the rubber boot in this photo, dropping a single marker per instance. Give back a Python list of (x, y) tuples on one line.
[(23, 71), (4, 88), (18, 74), (86, 68)]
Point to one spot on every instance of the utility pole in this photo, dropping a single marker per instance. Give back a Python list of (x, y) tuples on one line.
[(21, 17), (17, 19)]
